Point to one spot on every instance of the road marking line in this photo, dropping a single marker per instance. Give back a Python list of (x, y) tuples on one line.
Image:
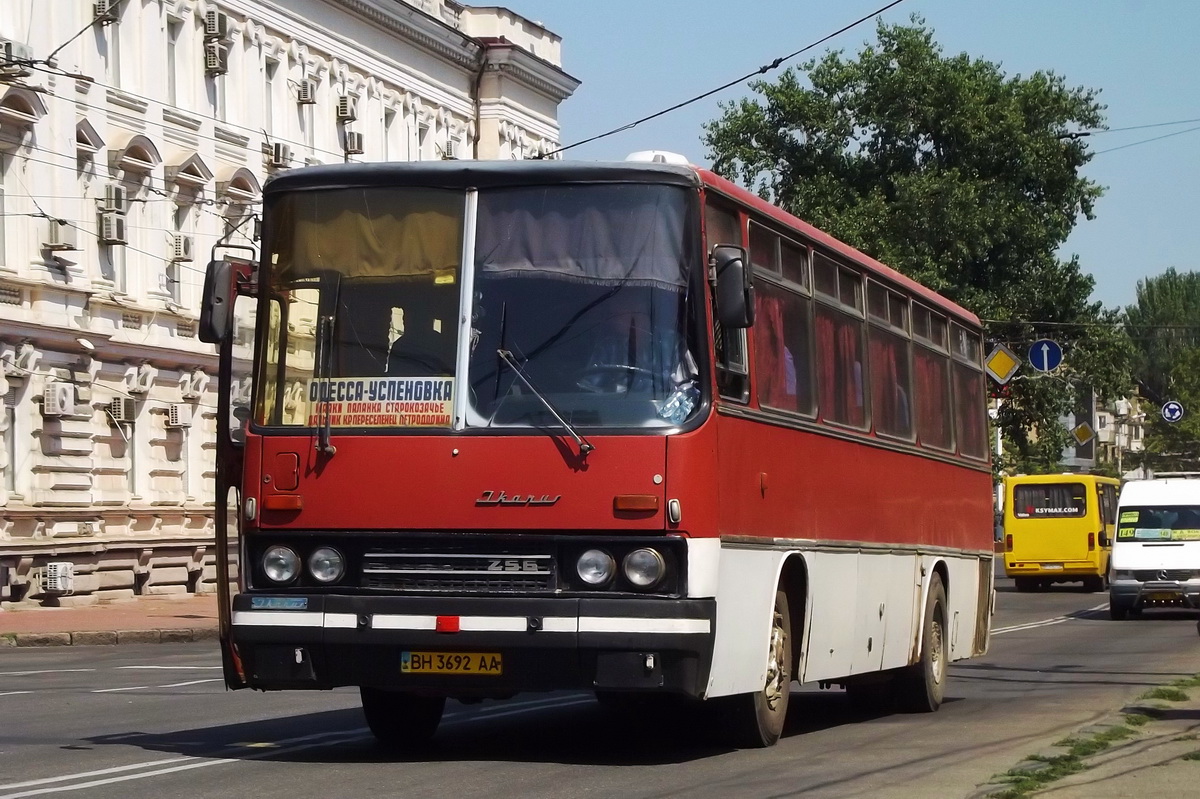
[(44, 671), (14, 693), (190, 682), (78, 775), (1045, 622), (266, 749), (332, 739), (114, 690), (166, 668)]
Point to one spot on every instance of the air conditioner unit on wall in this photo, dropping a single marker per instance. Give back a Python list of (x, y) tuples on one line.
[(216, 58), (58, 577), (181, 247), (179, 414), (60, 235), (347, 108), (354, 142), (116, 198), (58, 399), (105, 10), (281, 154), (112, 228), (15, 51), (216, 25), (306, 92), (122, 410)]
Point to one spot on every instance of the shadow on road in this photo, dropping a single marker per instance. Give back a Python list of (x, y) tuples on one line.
[(575, 731)]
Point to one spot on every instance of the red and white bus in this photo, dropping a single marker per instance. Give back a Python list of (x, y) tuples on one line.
[(621, 427)]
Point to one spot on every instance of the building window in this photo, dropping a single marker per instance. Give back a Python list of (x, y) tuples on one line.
[(174, 28), (270, 71), (10, 440), (389, 130), (424, 138)]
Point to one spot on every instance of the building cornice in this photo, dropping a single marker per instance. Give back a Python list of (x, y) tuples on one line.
[(524, 67)]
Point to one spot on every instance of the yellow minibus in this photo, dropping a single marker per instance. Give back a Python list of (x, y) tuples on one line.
[(1059, 528)]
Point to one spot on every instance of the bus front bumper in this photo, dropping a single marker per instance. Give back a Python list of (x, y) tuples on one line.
[(533, 644)]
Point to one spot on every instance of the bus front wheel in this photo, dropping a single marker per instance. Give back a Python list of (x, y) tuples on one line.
[(756, 720), (397, 718), (921, 686)]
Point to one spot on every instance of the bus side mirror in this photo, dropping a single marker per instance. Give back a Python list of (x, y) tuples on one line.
[(1103, 539), (734, 287), (216, 308)]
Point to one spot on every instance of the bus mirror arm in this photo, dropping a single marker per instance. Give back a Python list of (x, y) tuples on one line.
[(1103, 538), (733, 286)]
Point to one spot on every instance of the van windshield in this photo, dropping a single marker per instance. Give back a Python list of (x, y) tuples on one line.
[(1050, 501), (1159, 523)]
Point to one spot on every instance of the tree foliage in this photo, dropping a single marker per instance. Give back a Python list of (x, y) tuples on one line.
[(957, 175), (1164, 326)]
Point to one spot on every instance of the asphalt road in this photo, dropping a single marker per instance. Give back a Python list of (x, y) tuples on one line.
[(130, 721)]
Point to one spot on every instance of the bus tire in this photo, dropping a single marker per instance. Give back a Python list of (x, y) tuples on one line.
[(1117, 611), (1024, 584), (921, 686), (399, 718), (755, 721)]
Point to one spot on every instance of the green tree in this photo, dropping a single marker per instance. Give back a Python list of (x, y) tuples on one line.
[(1164, 326), (958, 176)]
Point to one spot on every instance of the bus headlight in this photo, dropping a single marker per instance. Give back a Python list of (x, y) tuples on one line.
[(280, 564), (595, 567), (326, 565), (644, 567)]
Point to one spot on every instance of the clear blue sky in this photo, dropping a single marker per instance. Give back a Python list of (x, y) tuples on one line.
[(637, 57)]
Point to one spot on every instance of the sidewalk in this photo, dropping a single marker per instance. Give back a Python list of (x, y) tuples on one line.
[(145, 620)]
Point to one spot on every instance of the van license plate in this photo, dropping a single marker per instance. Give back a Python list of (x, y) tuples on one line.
[(1162, 596), (485, 663), (1052, 567)]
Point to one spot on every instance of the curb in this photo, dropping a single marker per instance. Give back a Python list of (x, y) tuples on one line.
[(110, 637)]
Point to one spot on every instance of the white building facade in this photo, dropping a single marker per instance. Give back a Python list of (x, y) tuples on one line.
[(126, 152)]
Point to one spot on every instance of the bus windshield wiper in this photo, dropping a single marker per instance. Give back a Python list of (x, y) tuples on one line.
[(584, 445)]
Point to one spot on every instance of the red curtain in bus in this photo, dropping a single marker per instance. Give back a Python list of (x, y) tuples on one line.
[(932, 389), (769, 353), (840, 368), (889, 385)]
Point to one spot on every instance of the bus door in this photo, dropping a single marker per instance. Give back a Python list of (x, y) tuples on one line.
[(227, 318)]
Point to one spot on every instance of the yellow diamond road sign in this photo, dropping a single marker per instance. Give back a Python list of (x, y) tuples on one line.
[(1001, 364), (1083, 433)]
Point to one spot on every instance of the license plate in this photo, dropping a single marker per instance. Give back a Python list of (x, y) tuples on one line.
[(486, 663), (1050, 567), (1161, 596)]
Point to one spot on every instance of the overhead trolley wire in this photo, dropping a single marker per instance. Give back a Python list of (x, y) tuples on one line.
[(760, 71)]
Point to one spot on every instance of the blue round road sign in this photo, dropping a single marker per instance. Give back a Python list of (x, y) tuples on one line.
[(1172, 411), (1045, 355)]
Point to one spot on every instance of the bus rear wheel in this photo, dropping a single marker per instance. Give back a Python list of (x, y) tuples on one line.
[(1025, 584), (921, 686), (398, 718), (756, 720)]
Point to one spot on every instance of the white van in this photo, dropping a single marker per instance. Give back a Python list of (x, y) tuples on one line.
[(1156, 555)]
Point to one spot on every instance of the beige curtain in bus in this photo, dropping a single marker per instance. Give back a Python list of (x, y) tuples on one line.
[(368, 232)]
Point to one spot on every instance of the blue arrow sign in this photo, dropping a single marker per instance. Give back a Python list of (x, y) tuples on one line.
[(1045, 355), (1172, 411)]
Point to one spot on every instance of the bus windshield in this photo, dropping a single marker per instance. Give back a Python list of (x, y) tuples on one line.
[(1159, 523), (584, 286)]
